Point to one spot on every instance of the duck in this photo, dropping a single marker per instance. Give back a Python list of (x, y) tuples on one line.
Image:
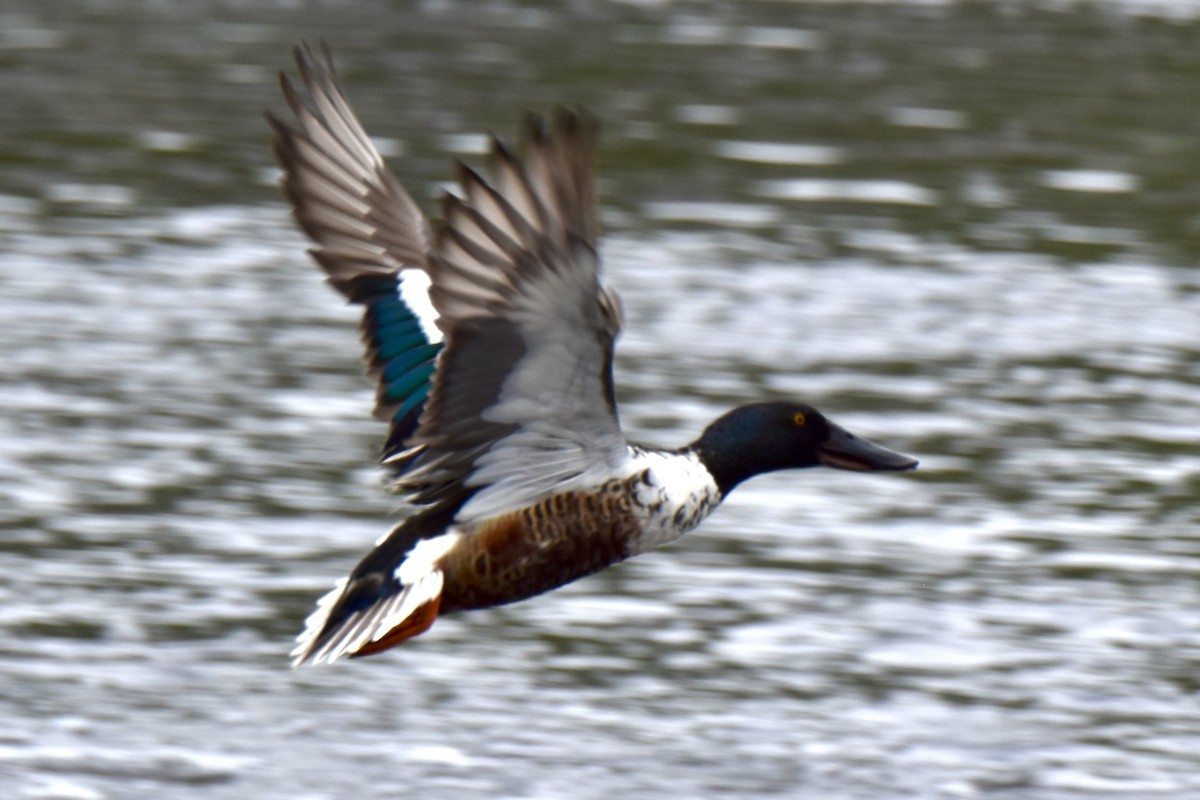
[(489, 338)]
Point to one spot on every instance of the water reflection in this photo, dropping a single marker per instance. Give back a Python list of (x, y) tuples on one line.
[(185, 448)]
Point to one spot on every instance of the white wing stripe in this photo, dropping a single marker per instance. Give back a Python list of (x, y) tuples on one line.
[(414, 291)]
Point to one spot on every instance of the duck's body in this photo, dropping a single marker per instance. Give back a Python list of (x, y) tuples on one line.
[(491, 344)]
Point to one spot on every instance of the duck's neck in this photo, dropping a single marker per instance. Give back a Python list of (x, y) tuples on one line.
[(728, 467)]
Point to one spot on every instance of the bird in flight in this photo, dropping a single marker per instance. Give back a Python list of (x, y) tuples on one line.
[(489, 338)]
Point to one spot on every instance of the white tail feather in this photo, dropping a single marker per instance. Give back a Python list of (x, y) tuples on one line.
[(362, 627), (421, 579)]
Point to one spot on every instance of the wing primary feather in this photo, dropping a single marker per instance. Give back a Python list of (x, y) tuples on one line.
[(369, 237), (512, 184)]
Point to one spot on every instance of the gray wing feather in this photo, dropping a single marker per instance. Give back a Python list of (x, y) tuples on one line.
[(344, 197), (522, 404)]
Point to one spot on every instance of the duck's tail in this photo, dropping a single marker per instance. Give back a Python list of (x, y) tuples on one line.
[(383, 602)]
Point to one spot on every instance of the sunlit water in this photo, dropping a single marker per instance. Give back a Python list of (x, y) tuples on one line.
[(969, 234)]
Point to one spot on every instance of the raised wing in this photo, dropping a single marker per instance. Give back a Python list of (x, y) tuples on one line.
[(371, 240), (522, 405)]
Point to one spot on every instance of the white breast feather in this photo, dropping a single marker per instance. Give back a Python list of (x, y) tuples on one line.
[(677, 493)]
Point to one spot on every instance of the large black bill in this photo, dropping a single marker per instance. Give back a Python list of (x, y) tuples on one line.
[(843, 450)]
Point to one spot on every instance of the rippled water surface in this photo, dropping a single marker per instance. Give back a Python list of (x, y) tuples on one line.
[(967, 231)]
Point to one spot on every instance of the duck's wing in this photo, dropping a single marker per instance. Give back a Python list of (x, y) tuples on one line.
[(522, 405), (371, 240)]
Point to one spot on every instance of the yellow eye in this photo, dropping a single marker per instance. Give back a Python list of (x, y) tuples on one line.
[(799, 419)]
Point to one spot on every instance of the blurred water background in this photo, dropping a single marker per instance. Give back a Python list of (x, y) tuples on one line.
[(967, 230)]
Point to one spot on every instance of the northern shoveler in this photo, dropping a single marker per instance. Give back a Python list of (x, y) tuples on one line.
[(490, 341)]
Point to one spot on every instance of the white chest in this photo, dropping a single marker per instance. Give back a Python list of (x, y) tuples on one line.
[(673, 492)]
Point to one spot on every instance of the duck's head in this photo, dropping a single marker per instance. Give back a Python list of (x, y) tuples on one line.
[(763, 437)]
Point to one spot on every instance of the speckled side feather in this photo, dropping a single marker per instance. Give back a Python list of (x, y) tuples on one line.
[(540, 547)]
